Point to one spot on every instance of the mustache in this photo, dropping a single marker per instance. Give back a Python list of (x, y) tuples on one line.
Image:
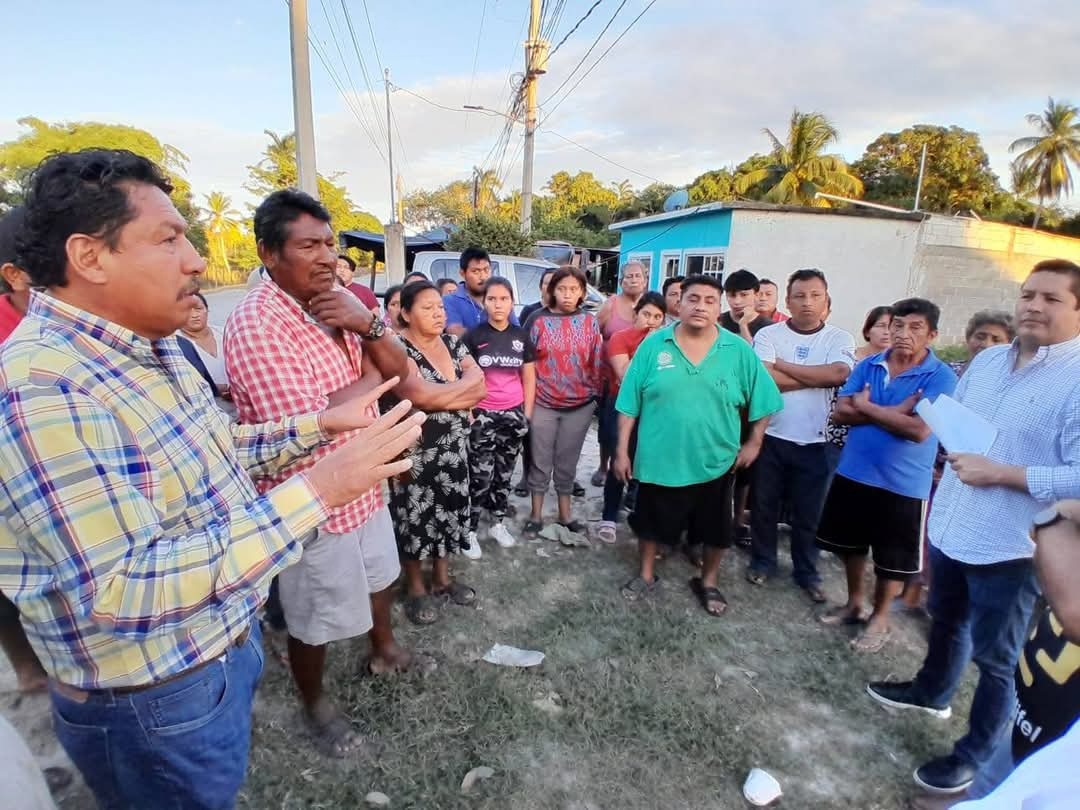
[(191, 289)]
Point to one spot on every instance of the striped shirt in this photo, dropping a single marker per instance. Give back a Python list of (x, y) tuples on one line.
[(133, 541), (281, 362), (1036, 411)]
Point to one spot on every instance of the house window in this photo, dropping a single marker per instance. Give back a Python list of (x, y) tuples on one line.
[(705, 263), (669, 263)]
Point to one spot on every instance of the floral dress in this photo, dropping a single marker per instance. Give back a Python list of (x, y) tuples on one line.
[(431, 508)]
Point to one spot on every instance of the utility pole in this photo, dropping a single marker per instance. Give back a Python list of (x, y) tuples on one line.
[(475, 188), (394, 232), (301, 82), (922, 170), (536, 53)]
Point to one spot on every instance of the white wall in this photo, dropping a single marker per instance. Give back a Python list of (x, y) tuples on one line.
[(867, 260)]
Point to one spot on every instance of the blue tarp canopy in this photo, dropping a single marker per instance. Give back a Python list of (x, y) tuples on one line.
[(435, 239)]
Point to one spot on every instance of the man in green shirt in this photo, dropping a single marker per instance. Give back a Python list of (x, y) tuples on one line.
[(687, 390)]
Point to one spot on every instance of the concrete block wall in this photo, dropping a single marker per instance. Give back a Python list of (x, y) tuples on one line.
[(964, 265)]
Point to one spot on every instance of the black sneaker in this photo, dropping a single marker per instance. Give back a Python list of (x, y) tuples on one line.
[(901, 695), (945, 775), (579, 490)]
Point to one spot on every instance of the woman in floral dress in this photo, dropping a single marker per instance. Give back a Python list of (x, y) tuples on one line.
[(431, 507)]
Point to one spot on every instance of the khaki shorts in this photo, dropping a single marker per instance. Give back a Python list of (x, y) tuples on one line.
[(327, 595)]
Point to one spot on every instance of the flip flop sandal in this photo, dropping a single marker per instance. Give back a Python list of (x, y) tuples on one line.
[(457, 593), (335, 738), (708, 596), (532, 527), (755, 577), (521, 492), (578, 491), (422, 610), (816, 594), (638, 589), (575, 526), (870, 642), (838, 616)]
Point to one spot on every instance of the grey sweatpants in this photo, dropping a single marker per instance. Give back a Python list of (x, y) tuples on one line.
[(556, 438)]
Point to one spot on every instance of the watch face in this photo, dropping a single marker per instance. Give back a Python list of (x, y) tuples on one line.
[(1045, 517)]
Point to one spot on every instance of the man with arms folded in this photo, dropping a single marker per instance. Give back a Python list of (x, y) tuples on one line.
[(134, 543), (982, 588)]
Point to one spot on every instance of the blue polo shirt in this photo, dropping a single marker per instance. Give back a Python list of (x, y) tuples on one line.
[(878, 458), (462, 310)]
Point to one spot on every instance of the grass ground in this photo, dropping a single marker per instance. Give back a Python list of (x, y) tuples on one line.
[(637, 706)]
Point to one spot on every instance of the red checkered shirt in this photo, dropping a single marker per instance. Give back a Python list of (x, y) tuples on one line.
[(280, 362)]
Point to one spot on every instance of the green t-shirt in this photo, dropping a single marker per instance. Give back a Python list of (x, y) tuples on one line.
[(690, 417)]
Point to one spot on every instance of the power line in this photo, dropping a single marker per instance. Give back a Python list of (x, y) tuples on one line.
[(581, 61), (371, 30), (575, 28), (600, 59), (364, 70), (476, 53), (602, 157)]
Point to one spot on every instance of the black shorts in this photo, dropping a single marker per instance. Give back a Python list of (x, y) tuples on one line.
[(859, 518), (703, 511), (8, 612)]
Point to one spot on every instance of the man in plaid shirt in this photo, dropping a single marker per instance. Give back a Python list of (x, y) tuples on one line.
[(133, 542), (296, 343)]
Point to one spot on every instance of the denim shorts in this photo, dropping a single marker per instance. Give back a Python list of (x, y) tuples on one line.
[(182, 744)]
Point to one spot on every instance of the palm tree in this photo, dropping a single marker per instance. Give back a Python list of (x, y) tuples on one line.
[(222, 219), (1050, 152), (624, 190), (799, 167)]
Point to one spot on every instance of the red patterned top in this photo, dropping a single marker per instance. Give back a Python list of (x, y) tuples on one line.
[(569, 358), (281, 362)]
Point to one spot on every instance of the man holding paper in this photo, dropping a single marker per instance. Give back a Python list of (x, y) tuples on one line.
[(983, 587)]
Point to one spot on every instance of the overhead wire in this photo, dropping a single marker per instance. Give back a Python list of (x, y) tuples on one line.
[(599, 59), (364, 71), (476, 58), (581, 61), (577, 25), (602, 157)]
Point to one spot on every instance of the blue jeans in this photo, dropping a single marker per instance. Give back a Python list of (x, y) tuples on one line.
[(798, 475), (997, 768), (980, 613), (182, 745)]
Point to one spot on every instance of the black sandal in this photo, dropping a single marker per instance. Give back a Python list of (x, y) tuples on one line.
[(422, 610), (457, 593), (637, 589), (532, 527), (708, 596), (574, 526)]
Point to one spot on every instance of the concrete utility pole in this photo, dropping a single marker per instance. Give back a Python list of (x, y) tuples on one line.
[(922, 171), (536, 53), (394, 231), (301, 82)]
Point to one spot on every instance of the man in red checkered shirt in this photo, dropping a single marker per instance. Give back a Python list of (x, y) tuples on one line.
[(295, 344)]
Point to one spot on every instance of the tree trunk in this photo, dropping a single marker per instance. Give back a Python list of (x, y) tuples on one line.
[(224, 255)]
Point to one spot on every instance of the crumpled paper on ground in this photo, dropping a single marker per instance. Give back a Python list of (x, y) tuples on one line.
[(561, 534), (505, 656)]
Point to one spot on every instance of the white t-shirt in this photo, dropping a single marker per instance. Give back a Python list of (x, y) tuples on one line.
[(805, 412)]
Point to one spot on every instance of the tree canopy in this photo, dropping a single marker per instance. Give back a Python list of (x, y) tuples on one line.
[(1043, 166)]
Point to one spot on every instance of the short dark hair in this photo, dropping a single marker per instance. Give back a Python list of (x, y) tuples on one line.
[(348, 260), (763, 281), (990, 317), (550, 271), (806, 274), (499, 281), (872, 317), (279, 210), (669, 282), (409, 294), (1062, 267), (472, 254), (698, 280), (738, 281), (442, 283), (918, 306), (10, 225), (567, 271), (414, 274), (85, 192), (651, 299), (391, 291)]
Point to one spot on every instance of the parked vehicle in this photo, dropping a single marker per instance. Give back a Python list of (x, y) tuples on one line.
[(523, 273)]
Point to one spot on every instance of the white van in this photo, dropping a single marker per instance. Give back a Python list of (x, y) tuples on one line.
[(523, 272)]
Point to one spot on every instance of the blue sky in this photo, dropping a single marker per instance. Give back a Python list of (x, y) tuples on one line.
[(687, 90)]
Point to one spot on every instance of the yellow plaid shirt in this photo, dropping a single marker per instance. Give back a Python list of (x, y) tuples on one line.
[(132, 539)]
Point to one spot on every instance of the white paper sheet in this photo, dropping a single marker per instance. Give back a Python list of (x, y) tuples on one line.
[(959, 429)]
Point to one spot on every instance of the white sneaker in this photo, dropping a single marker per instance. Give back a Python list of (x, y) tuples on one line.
[(501, 535), (473, 552)]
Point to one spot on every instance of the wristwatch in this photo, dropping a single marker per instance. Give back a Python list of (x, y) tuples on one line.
[(376, 330), (1044, 519)]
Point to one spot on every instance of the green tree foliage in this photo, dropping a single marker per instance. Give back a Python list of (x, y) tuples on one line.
[(799, 167), (1048, 156), (650, 200), (277, 170), (493, 234), (712, 186), (571, 195), (957, 177), (19, 157), (454, 202)]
